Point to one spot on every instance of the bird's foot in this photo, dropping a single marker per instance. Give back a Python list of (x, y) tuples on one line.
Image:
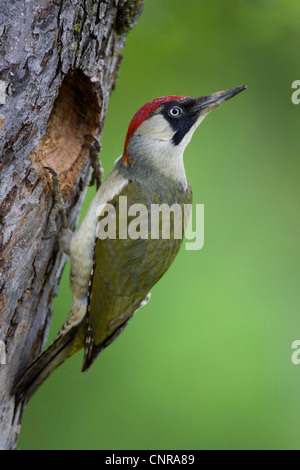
[(65, 234), (95, 148)]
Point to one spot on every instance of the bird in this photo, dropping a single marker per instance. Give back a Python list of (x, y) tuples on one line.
[(111, 277)]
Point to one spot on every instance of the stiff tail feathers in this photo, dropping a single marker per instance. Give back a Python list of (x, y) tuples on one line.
[(42, 367)]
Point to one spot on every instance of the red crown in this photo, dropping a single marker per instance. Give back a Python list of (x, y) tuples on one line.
[(142, 114)]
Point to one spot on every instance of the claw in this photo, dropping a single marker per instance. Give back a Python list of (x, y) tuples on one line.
[(53, 172), (94, 148), (95, 140), (59, 205)]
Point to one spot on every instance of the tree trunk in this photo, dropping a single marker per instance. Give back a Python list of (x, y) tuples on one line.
[(58, 64)]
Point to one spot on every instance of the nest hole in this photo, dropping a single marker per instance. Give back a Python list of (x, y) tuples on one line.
[(76, 113)]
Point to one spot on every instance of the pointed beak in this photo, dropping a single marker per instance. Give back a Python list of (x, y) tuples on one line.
[(210, 102)]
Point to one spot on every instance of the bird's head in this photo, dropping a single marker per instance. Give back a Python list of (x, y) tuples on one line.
[(160, 131)]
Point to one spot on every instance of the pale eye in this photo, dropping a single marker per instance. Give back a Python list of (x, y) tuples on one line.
[(175, 111)]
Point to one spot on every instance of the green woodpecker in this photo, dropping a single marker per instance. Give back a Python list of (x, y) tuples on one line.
[(111, 277)]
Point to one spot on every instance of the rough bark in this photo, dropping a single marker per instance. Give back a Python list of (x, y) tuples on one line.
[(58, 64)]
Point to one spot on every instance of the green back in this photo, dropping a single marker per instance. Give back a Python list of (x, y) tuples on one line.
[(127, 269)]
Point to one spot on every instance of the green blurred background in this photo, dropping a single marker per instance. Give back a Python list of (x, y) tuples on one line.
[(207, 363)]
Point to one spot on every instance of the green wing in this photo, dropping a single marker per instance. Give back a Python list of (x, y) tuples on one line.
[(125, 271)]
